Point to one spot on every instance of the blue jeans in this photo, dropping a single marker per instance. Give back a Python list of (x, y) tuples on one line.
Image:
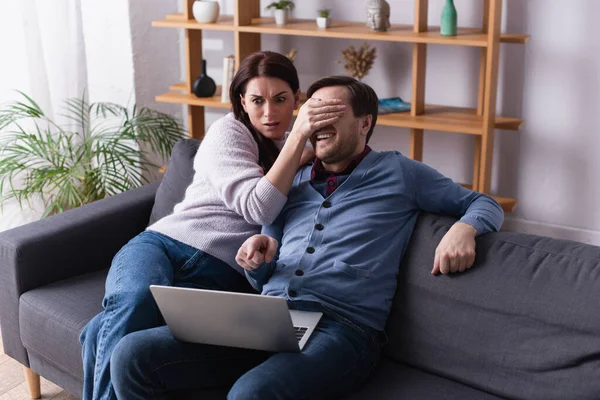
[(336, 361), (149, 258)]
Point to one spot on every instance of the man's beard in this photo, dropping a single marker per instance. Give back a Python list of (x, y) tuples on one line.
[(339, 151)]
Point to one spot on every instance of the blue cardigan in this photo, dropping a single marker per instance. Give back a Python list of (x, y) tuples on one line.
[(343, 251)]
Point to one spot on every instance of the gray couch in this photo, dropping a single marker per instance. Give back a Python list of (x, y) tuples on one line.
[(523, 323)]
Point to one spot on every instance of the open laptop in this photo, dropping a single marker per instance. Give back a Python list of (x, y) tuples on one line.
[(234, 319)]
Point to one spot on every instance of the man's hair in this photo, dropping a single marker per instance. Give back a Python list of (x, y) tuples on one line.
[(362, 97)]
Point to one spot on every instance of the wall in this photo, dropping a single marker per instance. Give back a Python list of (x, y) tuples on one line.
[(551, 166)]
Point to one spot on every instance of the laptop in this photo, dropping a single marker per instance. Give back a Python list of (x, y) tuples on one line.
[(231, 319)]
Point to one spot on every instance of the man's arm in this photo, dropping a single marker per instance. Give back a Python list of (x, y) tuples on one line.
[(478, 214), (258, 254)]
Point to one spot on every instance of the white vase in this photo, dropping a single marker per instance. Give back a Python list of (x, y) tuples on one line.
[(205, 11), (323, 22), (281, 17)]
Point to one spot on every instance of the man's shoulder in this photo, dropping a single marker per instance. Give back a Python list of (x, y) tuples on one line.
[(391, 159), (303, 174)]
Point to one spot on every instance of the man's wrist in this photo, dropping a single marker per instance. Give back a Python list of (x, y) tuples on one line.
[(466, 227)]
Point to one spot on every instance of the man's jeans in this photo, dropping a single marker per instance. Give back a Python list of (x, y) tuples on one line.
[(336, 361), (148, 259)]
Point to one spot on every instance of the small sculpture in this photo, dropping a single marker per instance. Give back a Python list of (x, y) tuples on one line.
[(378, 15)]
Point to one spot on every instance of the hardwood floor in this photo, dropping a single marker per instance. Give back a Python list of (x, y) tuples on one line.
[(14, 387)]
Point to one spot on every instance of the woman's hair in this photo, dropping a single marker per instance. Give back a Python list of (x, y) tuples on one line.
[(267, 64)]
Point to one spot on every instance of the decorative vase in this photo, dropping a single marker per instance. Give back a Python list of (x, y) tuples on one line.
[(204, 85), (449, 19), (281, 17), (205, 11), (323, 22)]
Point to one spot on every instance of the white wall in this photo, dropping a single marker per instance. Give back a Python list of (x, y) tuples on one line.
[(552, 165)]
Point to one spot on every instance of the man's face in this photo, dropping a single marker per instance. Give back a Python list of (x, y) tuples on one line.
[(336, 145)]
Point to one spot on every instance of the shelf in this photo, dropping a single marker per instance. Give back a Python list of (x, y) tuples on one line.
[(224, 23), (508, 204), (192, 100), (439, 118), (343, 30)]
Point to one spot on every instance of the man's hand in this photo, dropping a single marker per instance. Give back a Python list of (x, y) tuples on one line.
[(456, 251), (256, 250)]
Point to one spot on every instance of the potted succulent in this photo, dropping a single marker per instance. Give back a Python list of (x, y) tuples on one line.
[(282, 9), (323, 20)]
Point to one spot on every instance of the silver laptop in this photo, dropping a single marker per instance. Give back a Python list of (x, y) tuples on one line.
[(234, 319)]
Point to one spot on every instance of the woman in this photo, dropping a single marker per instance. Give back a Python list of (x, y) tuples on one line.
[(241, 182)]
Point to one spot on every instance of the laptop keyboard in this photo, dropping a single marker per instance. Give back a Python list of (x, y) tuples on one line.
[(300, 331)]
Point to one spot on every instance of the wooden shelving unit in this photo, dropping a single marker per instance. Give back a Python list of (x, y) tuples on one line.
[(247, 27)]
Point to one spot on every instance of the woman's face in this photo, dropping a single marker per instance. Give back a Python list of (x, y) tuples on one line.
[(270, 102)]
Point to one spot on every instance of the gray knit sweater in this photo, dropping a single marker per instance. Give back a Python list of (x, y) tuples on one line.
[(229, 198)]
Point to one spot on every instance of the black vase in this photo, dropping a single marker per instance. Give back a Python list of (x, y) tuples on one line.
[(204, 85)]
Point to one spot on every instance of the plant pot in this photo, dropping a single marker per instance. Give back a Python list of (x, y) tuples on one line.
[(323, 22), (281, 17), (205, 11)]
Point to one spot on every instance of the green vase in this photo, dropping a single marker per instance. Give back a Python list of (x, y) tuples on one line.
[(449, 19)]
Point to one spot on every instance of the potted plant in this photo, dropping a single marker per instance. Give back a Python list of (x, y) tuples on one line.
[(282, 9), (323, 20), (104, 150)]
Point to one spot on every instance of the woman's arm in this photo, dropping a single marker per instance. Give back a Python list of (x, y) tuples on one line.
[(313, 115), (228, 160)]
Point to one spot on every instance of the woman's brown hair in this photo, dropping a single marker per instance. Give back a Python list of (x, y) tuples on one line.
[(266, 64)]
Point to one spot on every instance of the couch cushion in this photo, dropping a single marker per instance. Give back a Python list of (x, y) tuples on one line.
[(52, 317), (177, 177), (522, 323), (395, 381)]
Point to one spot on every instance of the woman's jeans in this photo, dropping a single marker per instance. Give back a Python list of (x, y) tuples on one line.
[(148, 259), (336, 361)]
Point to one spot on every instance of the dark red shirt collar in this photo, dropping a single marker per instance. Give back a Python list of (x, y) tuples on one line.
[(319, 173)]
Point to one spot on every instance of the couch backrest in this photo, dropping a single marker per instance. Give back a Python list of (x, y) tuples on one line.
[(176, 179), (524, 322)]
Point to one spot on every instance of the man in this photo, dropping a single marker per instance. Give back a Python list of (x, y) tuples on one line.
[(335, 248)]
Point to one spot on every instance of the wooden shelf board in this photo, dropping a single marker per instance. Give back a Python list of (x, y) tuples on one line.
[(343, 29), (175, 17), (508, 204), (446, 119), (224, 23), (179, 86), (192, 100), (358, 30), (518, 38), (439, 118)]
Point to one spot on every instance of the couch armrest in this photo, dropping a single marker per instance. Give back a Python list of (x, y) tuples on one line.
[(62, 246)]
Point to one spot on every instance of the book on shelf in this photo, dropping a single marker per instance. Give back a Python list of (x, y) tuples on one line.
[(228, 72), (392, 105)]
